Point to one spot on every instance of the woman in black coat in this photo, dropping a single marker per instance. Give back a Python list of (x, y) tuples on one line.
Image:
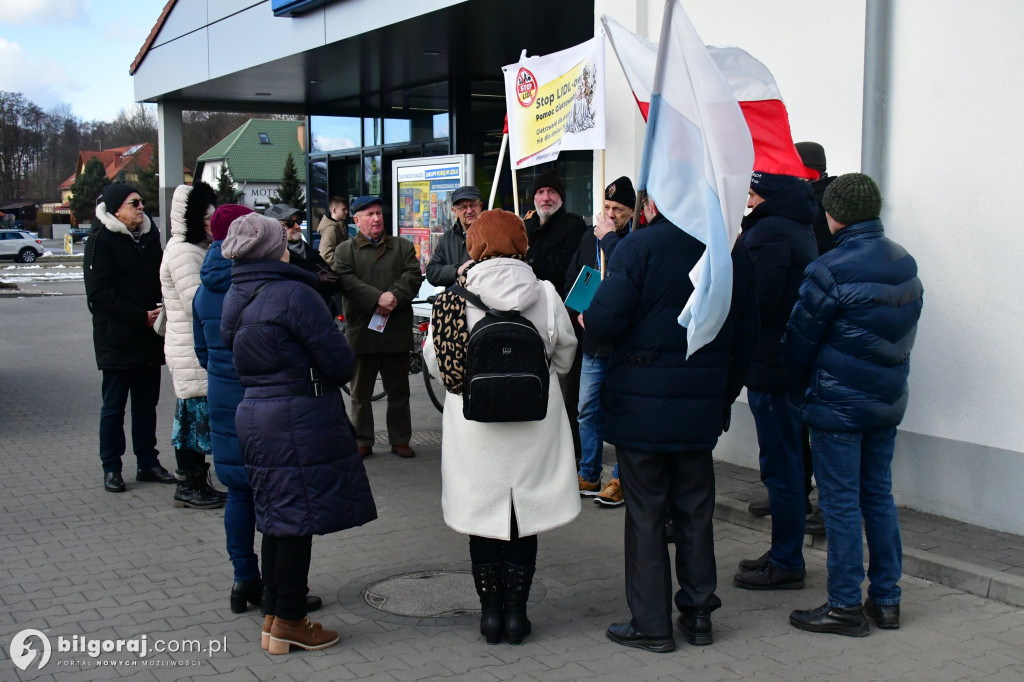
[(299, 447)]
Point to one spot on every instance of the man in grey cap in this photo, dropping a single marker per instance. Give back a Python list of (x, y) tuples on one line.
[(450, 257), (302, 254)]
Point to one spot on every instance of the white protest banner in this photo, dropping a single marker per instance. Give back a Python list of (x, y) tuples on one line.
[(555, 102)]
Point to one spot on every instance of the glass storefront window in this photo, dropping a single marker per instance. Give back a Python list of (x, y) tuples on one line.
[(397, 130), (441, 126), (372, 174), (332, 133)]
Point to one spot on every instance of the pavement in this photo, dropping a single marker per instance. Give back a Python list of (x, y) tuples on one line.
[(86, 568)]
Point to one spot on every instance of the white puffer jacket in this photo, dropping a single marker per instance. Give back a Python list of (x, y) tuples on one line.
[(179, 280)]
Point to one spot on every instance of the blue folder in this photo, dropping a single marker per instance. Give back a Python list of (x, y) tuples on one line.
[(582, 292)]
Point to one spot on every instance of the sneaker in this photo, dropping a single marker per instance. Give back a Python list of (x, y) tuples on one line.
[(611, 496), (588, 489), (769, 577)]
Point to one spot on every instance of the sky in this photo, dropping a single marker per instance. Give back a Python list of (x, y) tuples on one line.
[(74, 52)]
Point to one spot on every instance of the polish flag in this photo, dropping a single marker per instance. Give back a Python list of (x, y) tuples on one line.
[(696, 164), (751, 82)]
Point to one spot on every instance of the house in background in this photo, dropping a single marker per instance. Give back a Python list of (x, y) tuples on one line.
[(130, 161), (255, 155)]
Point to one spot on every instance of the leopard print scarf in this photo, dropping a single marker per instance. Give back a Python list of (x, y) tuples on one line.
[(451, 332)]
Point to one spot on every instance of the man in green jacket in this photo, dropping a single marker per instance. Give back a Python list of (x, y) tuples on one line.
[(380, 276)]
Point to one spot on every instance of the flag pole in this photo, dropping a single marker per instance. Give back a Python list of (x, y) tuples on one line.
[(599, 204), (497, 171), (515, 187)]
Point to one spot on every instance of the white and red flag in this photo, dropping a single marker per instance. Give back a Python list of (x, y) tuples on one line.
[(696, 164), (751, 82)]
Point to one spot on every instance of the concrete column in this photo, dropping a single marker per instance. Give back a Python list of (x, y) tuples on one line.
[(172, 161)]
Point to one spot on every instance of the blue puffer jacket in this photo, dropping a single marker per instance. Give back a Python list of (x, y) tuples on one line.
[(655, 399), (779, 236), (299, 447), (224, 392), (852, 330)]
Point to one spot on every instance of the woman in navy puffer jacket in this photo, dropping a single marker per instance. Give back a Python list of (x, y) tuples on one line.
[(299, 447), (223, 395)]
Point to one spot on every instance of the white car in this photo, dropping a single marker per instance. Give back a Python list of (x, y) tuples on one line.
[(20, 245)]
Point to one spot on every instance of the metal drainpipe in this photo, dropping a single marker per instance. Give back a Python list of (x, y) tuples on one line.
[(877, 47)]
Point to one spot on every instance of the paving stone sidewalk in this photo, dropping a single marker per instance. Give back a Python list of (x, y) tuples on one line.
[(79, 561)]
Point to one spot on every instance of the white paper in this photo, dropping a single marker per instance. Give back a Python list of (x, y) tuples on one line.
[(377, 322)]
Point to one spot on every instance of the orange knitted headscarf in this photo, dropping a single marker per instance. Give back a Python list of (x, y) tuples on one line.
[(496, 233)]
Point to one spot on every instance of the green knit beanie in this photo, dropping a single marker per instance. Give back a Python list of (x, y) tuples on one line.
[(852, 198)]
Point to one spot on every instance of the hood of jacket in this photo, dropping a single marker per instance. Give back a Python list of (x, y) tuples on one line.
[(216, 271), (504, 283), (256, 270), (110, 222), (796, 202), (189, 207)]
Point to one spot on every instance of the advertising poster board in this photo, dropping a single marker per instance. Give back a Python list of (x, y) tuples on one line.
[(421, 189)]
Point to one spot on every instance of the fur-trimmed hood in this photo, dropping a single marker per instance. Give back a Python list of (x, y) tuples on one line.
[(189, 207), (111, 222)]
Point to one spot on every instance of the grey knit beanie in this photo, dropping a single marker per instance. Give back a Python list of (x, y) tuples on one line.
[(852, 198), (254, 236)]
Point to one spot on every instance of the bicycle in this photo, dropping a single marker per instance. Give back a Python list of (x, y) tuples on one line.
[(435, 391)]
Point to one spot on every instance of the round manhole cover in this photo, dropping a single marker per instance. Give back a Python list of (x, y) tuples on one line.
[(425, 594)]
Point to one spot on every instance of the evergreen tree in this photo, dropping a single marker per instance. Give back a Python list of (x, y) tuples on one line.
[(149, 188), (291, 192), (226, 193), (85, 190)]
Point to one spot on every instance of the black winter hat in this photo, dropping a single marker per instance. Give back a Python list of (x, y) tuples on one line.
[(767, 185), (621, 191), (114, 195), (852, 198), (548, 178), (812, 154)]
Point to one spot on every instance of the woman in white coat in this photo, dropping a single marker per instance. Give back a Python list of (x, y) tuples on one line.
[(191, 209), (503, 483)]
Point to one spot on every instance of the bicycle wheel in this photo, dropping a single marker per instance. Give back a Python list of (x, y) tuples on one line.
[(378, 391), (435, 389)]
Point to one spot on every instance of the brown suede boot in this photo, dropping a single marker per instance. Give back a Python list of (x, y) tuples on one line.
[(304, 634), (268, 623)]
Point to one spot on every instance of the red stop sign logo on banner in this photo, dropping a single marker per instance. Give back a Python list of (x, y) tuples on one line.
[(526, 87)]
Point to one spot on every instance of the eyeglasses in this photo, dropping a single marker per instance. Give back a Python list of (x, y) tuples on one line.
[(135, 202), (291, 222), (463, 207)]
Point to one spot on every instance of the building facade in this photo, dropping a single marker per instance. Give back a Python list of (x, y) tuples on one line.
[(905, 90)]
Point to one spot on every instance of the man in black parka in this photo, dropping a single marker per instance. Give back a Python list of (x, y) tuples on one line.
[(665, 412), (777, 233), (122, 288)]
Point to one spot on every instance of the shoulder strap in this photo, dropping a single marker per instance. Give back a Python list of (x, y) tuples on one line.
[(465, 293), (245, 305)]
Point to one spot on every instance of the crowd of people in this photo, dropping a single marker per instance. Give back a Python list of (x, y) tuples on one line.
[(242, 310)]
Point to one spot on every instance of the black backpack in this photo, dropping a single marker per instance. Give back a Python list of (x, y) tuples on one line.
[(506, 367)]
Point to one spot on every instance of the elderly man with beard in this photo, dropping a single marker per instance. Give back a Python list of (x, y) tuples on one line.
[(553, 233), (450, 257)]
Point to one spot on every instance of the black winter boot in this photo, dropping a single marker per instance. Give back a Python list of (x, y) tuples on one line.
[(208, 482), (489, 588), (191, 491), (518, 580)]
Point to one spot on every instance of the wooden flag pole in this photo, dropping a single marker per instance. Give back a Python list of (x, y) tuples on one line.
[(497, 171)]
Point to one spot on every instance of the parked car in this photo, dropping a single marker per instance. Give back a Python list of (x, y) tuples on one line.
[(80, 234), (20, 245)]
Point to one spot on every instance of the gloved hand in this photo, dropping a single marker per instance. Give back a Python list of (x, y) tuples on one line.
[(726, 418)]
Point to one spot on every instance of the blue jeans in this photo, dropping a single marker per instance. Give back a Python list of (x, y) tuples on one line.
[(591, 417), (854, 474), (782, 471), (240, 529), (143, 384)]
